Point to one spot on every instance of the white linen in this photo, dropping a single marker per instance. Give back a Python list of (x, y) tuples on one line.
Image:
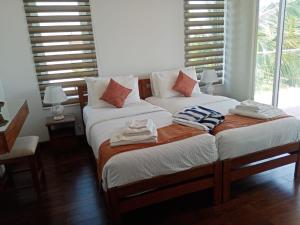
[(97, 85), (139, 127), (268, 114), (258, 110), (141, 164), (240, 141), (138, 124), (220, 104), (119, 137), (253, 106), (154, 85), (164, 81)]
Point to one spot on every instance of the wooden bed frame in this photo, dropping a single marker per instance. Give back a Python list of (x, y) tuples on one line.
[(240, 167), (135, 195)]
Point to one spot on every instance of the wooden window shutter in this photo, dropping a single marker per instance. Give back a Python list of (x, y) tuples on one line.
[(204, 35), (61, 35)]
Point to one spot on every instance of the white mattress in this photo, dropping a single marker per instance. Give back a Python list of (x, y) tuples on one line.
[(240, 141), (142, 164)]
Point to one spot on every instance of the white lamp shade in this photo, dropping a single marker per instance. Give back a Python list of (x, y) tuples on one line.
[(54, 95), (209, 76)]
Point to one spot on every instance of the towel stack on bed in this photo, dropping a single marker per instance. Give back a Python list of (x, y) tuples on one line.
[(198, 117), (135, 132), (257, 110)]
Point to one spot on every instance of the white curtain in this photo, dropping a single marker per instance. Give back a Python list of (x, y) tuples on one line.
[(240, 48)]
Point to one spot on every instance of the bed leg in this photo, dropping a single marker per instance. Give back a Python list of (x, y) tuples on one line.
[(114, 209), (226, 179), (297, 167), (217, 183)]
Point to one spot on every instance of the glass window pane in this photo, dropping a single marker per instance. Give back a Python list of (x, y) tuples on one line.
[(289, 92), (266, 50)]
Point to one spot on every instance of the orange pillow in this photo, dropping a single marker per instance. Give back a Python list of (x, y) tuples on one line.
[(184, 84), (115, 94)]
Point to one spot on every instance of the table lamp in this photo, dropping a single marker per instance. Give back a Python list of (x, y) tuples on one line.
[(55, 95), (209, 77)]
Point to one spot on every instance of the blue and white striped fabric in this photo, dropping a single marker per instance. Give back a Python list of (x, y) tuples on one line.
[(199, 117)]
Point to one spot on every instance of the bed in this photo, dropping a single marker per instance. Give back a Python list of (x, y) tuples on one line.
[(135, 179), (243, 156)]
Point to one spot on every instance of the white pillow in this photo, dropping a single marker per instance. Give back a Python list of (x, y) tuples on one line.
[(154, 84), (164, 82), (97, 86), (89, 84)]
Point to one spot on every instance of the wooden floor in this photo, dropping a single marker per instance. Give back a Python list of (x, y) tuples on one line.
[(71, 197)]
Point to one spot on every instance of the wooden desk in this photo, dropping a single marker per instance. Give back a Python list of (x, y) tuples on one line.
[(16, 113)]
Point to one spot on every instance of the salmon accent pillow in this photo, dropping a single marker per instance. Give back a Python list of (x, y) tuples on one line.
[(115, 94), (184, 84)]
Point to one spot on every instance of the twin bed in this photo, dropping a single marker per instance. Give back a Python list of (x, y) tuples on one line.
[(134, 179)]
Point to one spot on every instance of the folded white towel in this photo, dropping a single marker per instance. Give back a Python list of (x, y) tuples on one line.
[(138, 124), (267, 114), (118, 137), (254, 106), (257, 110), (147, 130)]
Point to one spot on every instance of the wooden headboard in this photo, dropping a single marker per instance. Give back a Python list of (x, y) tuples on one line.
[(144, 88)]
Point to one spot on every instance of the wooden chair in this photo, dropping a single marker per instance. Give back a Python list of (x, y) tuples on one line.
[(24, 151)]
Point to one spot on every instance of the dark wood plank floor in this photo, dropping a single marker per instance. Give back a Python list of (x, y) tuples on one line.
[(71, 197)]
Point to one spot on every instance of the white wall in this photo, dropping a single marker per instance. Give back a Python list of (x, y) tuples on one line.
[(138, 36)]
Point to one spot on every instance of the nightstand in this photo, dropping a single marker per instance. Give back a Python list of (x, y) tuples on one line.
[(62, 132), (61, 128)]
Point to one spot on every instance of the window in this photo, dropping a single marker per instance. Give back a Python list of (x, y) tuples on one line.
[(204, 35), (277, 79), (62, 42)]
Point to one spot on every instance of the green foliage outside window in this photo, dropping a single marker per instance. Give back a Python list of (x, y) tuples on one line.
[(266, 45)]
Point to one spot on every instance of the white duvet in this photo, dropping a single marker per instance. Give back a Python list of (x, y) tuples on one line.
[(142, 164), (240, 141)]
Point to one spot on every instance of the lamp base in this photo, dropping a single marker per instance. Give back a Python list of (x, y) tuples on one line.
[(58, 112), (210, 89), (60, 117)]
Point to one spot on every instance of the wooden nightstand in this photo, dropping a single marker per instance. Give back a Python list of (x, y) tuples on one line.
[(61, 128)]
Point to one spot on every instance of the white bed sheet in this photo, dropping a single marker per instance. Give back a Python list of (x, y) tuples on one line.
[(240, 141), (218, 103), (245, 140), (142, 164)]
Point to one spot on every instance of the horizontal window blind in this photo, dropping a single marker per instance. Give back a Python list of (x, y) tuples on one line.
[(204, 35), (62, 42)]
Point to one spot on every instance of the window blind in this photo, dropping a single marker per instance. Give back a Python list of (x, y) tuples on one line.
[(204, 35), (62, 42)]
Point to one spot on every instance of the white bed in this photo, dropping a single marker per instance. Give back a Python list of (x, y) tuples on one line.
[(174, 104), (142, 164), (240, 141)]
